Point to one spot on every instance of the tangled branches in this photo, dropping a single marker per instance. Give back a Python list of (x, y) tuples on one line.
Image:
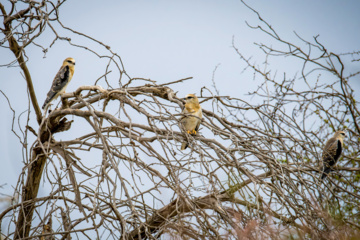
[(117, 171)]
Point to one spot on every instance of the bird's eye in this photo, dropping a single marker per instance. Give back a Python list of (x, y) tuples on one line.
[(189, 97), (343, 134), (69, 61)]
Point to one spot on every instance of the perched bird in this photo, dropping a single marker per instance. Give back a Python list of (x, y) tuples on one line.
[(47, 229), (61, 80), (332, 152), (189, 123)]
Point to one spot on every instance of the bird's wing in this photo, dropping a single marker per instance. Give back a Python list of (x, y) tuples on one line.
[(331, 154), (332, 151), (60, 81), (198, 120), (197, 125), (338, 150)]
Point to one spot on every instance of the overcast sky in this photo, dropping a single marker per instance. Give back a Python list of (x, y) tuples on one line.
[(166, 41)]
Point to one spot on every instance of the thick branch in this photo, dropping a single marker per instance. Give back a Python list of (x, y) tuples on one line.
[(18, 52), (210, 201), (38, 160)]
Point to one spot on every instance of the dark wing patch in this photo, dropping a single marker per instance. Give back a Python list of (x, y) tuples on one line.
[(331, 154), (61, 79), (59, 82), (197, 126), (338, 151)]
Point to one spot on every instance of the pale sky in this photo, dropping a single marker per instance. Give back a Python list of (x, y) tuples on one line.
[(166, 41)]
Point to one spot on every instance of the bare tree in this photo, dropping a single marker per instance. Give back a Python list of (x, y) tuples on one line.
[(251, 173)]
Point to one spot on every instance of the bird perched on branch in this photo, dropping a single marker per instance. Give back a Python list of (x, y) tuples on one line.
[(47, 229), (61, 80), (191, 123), (332, 152)]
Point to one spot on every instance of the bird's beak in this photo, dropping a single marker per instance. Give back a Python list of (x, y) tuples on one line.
[(74, 63), (184, 99)]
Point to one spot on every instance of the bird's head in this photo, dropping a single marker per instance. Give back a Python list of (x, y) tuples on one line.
[(340, 134), (69, 62), (191, 98)]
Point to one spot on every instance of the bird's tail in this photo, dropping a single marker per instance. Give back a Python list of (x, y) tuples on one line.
[(325, 173), (45, 103), (50, 96), (184, 145), (48, 100)]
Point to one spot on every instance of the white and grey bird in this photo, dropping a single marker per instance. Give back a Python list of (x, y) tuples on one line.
[(61, 80), (191, 123), (332, 152)]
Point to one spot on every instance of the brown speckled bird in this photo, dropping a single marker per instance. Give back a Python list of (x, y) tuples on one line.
[(61, 80), (189, 123), (332, 152)]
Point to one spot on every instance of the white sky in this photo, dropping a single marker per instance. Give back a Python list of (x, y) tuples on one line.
[(166, 41)]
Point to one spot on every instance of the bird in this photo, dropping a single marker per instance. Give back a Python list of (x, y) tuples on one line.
[(191, 123), (61, 80), (332, 152), (47, 229)]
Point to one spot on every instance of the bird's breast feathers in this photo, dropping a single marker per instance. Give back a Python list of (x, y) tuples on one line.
[(193, 109), (72, 70)]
